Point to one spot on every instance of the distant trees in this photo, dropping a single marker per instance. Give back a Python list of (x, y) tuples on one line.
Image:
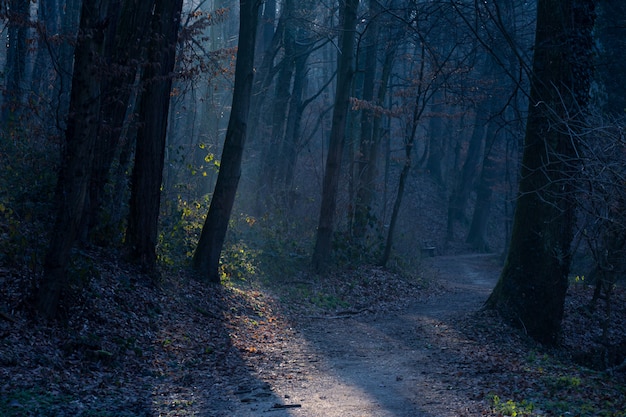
[(532, 286), (345, 72)]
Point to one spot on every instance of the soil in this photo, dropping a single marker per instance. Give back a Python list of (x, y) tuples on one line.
[(398, 363)]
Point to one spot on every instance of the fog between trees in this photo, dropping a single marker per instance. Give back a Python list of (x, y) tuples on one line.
[(372, 131)]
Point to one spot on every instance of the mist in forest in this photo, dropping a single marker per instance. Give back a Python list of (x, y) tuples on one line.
[(348, 132)]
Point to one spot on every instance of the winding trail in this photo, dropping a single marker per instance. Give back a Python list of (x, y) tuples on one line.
[(405, 364)]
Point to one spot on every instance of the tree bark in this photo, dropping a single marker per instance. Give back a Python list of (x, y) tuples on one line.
[(289, 151), (323, 243), (484, 190), (73, 180), (129, 36), (141, 235), (436, 141), (15, 65), (366, 159), (206, 259), (531, 290), (280, 105), (464, 184)]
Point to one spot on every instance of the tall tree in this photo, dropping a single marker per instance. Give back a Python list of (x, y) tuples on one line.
[(15, 65), (129, 32), (280, 106), (141, 235), (345, 72), (73, 180), (476, 236), (611, 34), (464, 183), (207, 255), (531, 289), (367, 155), (50, 89)]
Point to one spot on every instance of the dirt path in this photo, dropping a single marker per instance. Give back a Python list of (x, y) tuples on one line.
[(402, 364)]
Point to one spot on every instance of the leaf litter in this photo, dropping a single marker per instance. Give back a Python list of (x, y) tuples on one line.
[(126, 347)]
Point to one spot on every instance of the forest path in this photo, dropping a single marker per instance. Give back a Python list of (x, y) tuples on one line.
[(400, 364)]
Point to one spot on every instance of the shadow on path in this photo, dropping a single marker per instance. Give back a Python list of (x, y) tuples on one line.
[(391, 365)]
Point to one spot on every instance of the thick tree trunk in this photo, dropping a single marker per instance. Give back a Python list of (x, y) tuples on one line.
[(323, 243), (141, 235), (82, 125), (532, 286), (206, 259), (129, 37)]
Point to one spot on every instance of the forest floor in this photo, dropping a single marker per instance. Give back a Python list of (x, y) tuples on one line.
[(360, 342)]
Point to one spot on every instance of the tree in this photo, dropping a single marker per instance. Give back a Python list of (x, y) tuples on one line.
[(129, 33), (476, 235), (366, 157), (610, 31), (56, 27), (15, 65), (531, 290), (74, 175), (141, 235), (207, 254), (323, 243), (437, 66)]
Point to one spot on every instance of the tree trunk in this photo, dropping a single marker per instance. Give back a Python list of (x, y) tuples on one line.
[(15, 66), (323, 244), (484, 190), (366, 159), (206, 259), (610, 32), (73, 180), (289, 151), (48, 25), (266, 25), (531, 289), (436, 142), (129, 37), (141, 235), (280, 105), (465, 183)]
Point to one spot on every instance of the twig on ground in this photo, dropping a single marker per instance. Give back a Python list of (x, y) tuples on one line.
[(342, 314), (6, 317)]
